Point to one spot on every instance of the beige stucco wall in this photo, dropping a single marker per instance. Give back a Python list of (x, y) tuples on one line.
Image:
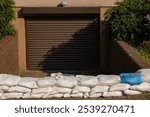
[(20, 27), (70, 3)]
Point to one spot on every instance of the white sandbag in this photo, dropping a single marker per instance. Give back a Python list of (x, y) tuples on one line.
[(87, 81), (145, 74), (28, 82), (1, 95), (131, 92), (56, 75), (142, 87), (81, 89), (3, 89), (66, 82), (42, 90), (119, 87), (112, 94), (144, 71), (19, 89), (98, 89), (145, 77), (46, 81), (108, 80), (66, 95), (11, 95), (86, 95), (77, 95), (57, 90), (96, 95), (32, 96), (54, 96), (9, 80)]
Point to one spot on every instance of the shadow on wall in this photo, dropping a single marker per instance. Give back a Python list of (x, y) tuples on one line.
[(78, 53), (122, 58)]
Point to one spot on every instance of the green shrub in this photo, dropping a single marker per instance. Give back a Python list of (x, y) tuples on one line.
[(6, 16), (126, 21)]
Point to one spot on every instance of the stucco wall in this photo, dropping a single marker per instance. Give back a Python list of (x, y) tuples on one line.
[(20, 27), (70, 3)]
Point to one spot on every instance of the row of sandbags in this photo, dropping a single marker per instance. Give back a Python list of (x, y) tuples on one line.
[(59, 85)]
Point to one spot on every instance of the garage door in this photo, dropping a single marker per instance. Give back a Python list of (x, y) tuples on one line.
[(63, 42)]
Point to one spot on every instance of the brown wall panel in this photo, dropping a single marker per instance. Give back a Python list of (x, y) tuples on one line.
[(9, 55), (122, 58)]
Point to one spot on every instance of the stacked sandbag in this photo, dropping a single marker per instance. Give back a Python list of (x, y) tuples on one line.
[(58, 85), (66, 81), (28, 82), (108, 80), (145, 74), (131, 92), (87, 81), (144, 87), (6, 82)]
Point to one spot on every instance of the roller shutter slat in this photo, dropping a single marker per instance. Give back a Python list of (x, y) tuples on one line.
[(63, 44)]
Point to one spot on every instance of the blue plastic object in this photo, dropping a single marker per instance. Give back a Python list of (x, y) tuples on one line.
[(131, 78)]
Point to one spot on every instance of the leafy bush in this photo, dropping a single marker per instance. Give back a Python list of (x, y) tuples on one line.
[(6, 16), (126, 21)]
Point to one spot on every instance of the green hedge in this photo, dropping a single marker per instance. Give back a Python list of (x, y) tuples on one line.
[(126, 21), (6, 16)]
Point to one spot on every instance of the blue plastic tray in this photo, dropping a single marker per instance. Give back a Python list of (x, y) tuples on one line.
[(131, 78)]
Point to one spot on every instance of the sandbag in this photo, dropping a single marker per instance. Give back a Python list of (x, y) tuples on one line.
[(145, 74), (56, 75), (86, 95), (66, 95), (144, 71), (28, 82), (66, 82), (42, 90), (57, 90), (1, 95), (119, 87), (145, 77), (9, 80), (11, 95), (32, 96), (131, 78), (96, 95), (112, 94), (108, 80), (131, 92), (81, 89), (46, 81), (99, 89), (54, 96), (142, 87), (19, 89), (77, 95), (87, 81), (3, 89)]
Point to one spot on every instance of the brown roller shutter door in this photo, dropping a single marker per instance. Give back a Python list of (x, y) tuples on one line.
[(63, 42)]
